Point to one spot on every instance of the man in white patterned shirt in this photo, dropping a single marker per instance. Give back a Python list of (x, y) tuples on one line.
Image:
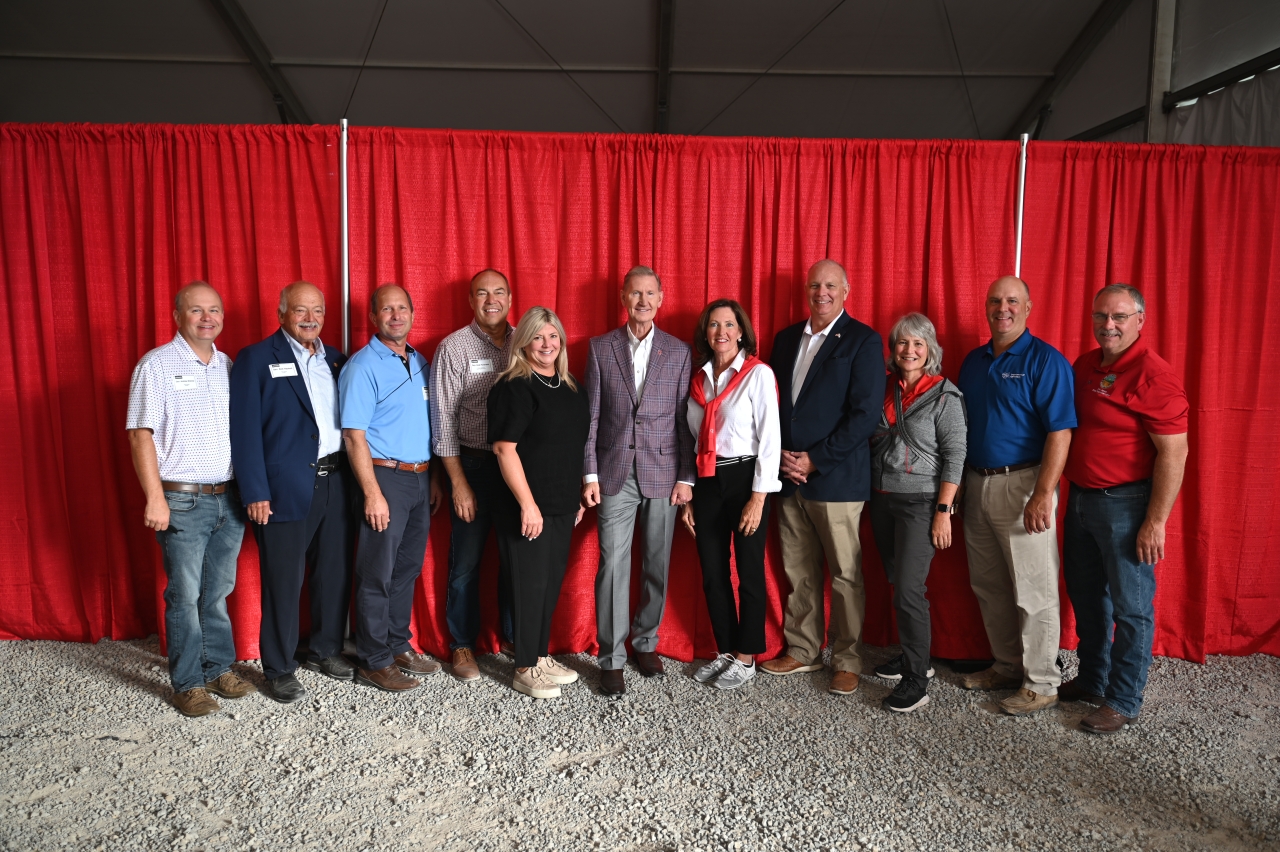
[(179, 435), (466, 366)]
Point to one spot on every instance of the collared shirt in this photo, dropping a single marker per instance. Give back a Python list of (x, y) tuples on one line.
[(389, 400), (747, 421), (466, 366), (187, 406), (810, 343), (322, 387), (1120, 406), (1015, 401), (640, 350)]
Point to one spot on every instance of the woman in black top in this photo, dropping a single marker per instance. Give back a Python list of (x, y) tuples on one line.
[(538, 421)]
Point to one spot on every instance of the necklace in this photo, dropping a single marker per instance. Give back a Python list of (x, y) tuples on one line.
[(543, 379)]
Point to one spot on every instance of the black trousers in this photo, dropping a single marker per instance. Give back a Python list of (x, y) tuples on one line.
[(388, 564), (717, 509), (323, 541), (901, 524), (537, 570)]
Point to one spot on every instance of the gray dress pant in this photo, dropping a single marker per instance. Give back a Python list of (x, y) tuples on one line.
[(901, 524), (617, 523)]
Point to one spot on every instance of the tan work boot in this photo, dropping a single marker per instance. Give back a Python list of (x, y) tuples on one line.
[(195, 702), (1024, 702), (229, 685), (464, 665), (989, 679)]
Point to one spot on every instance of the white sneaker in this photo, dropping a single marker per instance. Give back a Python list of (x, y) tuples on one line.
[(533, 682), (713, 669), (735, 675), (556, 671)]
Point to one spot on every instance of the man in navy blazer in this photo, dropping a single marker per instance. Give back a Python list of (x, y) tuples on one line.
[(286, 446), (830, 372)]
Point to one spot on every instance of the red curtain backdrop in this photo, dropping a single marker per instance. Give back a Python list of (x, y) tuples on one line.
[(99, 225)]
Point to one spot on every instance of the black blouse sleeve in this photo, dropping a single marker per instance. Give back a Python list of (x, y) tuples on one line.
[(510, 407)]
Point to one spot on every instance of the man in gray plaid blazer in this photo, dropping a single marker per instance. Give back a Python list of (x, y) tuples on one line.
[(639, 458)]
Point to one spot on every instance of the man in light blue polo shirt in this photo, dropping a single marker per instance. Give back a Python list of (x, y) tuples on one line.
[(385, 396), (1020, 394)]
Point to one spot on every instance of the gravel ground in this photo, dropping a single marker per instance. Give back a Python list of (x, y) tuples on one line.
[(93, 757)]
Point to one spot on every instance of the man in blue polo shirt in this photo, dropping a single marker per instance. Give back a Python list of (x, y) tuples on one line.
[(385, 393), (1020, 396)]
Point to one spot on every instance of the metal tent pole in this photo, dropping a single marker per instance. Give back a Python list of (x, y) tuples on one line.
[(346, 249), (1022, 187)]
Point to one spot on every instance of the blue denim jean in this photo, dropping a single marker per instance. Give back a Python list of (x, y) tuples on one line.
[(200, 548), (1108, 585), (466, 550)]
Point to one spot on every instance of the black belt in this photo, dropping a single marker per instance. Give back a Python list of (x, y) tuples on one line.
[(196, 488), (474, 453), (1009, 468), (1136, 482), (721, 461), (328, 464)]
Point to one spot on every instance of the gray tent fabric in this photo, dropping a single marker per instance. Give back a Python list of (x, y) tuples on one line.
[(1245, 113)]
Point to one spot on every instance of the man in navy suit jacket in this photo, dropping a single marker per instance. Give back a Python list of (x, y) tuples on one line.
[(830, 372), (286, 446)]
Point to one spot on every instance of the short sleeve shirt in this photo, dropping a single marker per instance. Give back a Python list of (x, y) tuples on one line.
[(1120, 407), (389, 401), (549, 428), (1015, 401), (186, 404)]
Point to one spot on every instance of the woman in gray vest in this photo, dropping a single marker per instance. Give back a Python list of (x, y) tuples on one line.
[(917, 464)]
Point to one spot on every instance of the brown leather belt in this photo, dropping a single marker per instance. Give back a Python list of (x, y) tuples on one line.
[(474, 453), (1009, 468), (405, 466), (194, 488)]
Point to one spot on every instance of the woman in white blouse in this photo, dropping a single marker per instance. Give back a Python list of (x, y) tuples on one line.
[(733, 412)]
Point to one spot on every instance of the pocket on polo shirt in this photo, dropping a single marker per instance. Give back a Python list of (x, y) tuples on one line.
[(180, 501)]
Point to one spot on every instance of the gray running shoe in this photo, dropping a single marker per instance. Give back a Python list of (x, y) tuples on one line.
[(735, 675), (713, 669)]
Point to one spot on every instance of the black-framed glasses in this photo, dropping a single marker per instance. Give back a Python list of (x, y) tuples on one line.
[(1118, 319)]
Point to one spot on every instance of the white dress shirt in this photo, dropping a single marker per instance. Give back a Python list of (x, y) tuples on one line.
[(640, 350), (810, 343), (747, 420), (322, 387)]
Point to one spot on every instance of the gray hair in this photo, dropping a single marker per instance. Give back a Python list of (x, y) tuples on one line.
[(844, 276), (284, 295), (1125, 290), (917, 325), (640, 272)]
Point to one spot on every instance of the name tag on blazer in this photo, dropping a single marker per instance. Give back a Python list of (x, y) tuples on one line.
[(282, 371)]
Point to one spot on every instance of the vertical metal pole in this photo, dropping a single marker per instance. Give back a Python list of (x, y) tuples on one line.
[(346, 249), (1022, 187), (1160, 77)]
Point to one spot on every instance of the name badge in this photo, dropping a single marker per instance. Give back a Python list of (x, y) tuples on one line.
[(185, 383), (481, 365), (426, 393), (281, 371)]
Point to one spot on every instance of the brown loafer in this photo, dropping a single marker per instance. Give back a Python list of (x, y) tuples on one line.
[(1106, 720), (1072, 691), (416, 665), (195, 702), (464, 665), (1024, 702), (789, 665), (388, 679), (649, 663), (612, 682), (844, 683), (989, 679), (229, 685)]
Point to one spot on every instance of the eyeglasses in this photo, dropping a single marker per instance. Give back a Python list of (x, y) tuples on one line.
[(1118, 319)]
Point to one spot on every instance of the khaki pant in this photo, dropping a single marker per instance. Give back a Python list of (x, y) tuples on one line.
[(809, 530), (1015, 576)]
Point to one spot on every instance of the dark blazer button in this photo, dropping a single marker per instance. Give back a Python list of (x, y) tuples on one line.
[(314, 437), (631, 446), (313, 464)]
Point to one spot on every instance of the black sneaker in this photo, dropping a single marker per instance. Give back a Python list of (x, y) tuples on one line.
[(892, 670), (908, 695)]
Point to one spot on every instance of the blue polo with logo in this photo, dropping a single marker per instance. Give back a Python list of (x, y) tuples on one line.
[(1016, 400), (388, 398)]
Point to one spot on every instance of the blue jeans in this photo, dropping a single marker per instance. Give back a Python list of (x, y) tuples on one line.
[(200, 548), (466, 549), (1107, 584)]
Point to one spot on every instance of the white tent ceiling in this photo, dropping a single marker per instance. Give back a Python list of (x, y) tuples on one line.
[(842, 68)]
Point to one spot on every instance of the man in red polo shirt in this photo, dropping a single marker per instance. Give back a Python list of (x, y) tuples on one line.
[(1125, 469)]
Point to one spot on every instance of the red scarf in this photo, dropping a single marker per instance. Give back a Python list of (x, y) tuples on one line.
[(707, 434), (908, 397)]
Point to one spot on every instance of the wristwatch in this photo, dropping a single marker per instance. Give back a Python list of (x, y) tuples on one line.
[(944, 509)]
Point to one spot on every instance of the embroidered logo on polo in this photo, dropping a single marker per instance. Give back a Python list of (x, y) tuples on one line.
[(1013, 375), (1105, 384)]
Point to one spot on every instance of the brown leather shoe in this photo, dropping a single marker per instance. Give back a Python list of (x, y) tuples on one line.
[(1072, 691), (388, 679), (229, 685), (649, 663), (1024, 702), (612, 682), (789, 665), (416, 664), (1106, 720), (506, 648), (195, 702), (989, 679), (844, 683), (464, 665)]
